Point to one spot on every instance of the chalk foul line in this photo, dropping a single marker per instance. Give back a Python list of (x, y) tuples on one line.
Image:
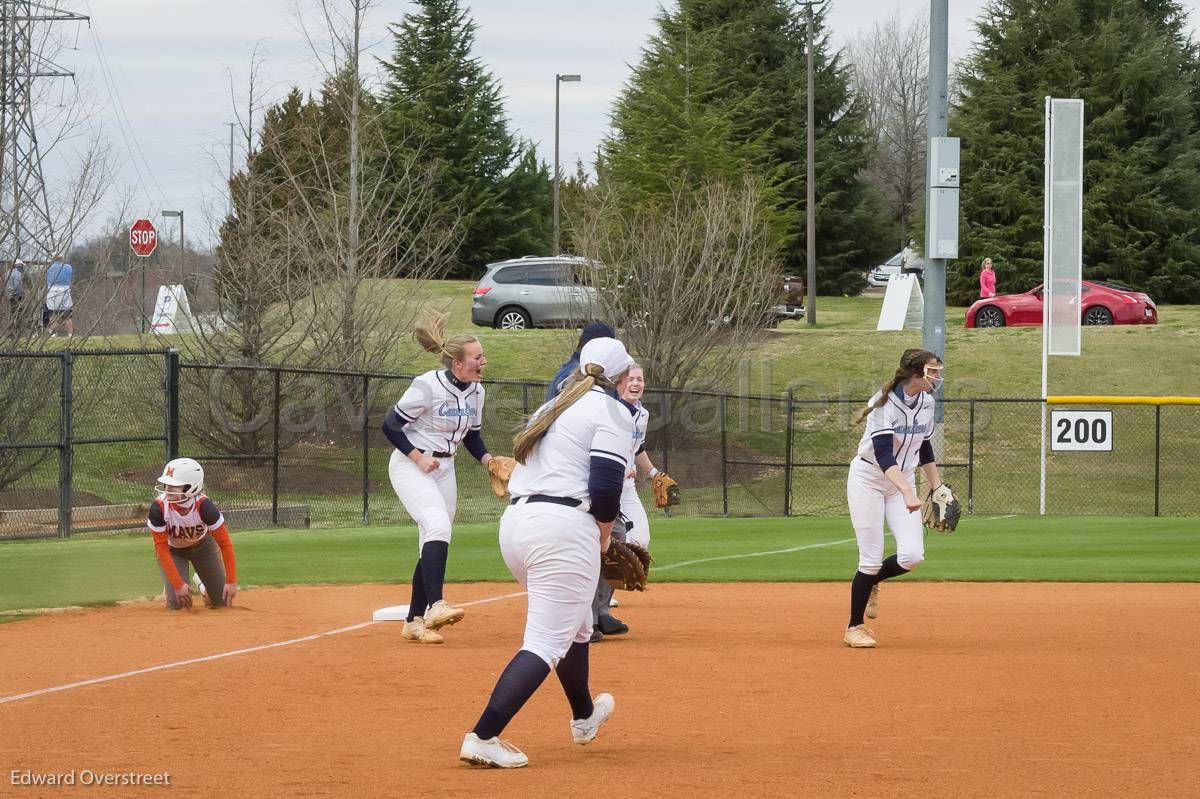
[(681, 564), (219, 656), (317, 636)]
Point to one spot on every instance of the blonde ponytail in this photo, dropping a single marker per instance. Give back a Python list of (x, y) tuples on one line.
[(430, 334), (578, 385)]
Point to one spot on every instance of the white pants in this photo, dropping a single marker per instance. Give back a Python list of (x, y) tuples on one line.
[(430, 499), (632, 509), (872, 499), (554, 551)]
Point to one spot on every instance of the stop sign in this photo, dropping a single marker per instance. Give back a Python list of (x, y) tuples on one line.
[(143, 238)]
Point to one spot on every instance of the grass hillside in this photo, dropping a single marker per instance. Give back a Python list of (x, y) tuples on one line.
[(842, 358), (845, 357)]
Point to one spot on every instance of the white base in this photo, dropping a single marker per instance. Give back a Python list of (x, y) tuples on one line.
[(394, 613)]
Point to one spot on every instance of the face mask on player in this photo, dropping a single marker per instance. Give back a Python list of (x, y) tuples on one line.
[(182, 479), (176, 495), (933, 373)]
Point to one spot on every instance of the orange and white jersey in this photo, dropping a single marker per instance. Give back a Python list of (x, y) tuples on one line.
[(184, 528)]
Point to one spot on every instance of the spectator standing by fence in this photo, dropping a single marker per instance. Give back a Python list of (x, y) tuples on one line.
[(14, 290), (56, 314)]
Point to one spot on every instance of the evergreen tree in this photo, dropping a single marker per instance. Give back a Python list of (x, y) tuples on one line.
[(1132, 64), (721, 89), (439, 97)]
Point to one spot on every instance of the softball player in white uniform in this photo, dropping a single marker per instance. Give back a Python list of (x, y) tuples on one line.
[(631, 390), (566, 491), (439, 412), (900, 424)]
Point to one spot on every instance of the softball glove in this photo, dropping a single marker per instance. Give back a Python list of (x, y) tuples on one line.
[(941, 510), (666, 490), (500, 469), (625, 566)]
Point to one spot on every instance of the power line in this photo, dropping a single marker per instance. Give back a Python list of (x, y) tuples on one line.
[(128, 133)]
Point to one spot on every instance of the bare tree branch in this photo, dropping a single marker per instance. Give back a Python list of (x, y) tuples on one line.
[(690, 283), (891, 69)]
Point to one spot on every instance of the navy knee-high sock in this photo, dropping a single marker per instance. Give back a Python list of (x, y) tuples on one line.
[(417, 606), (433, 568), (572, 672), (521, 677), (891, 568), (860, 588)]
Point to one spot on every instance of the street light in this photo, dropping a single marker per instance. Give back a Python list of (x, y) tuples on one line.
[(811, 178), (558, 79), (180, 215)]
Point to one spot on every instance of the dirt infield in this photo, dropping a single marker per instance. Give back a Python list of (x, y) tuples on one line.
[(977, 690)]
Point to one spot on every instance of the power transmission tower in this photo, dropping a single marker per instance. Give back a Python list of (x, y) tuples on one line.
[(26, 227)]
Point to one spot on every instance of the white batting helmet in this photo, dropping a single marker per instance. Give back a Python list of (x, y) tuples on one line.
[(182, 479)]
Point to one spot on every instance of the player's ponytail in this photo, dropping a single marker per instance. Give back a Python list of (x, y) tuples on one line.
[(430, 334), (576, 386), (912, 364)]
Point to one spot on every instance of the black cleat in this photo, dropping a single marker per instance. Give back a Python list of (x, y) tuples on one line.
[(611, 625)]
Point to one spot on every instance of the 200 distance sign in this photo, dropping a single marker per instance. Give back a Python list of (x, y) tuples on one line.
[(1081, 431)]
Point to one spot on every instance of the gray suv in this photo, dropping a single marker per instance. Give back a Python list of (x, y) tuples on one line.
[(533, 292)]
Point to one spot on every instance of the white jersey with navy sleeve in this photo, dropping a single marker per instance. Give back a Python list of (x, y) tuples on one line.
[(641, 421), (438, 414), (597, 425), (909, 420)]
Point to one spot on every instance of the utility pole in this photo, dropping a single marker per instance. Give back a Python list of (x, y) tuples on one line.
[(181, 240), (26, 228), (229, 184), (934, 327), (810, 211), (559, 80)]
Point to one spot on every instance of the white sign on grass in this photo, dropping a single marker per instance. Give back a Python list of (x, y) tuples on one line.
[(172, 313), (903, 304)]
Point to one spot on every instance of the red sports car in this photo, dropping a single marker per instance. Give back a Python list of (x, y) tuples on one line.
[(1103, 304)]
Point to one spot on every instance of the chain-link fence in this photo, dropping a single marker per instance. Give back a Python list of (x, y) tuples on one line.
[(85, 435), (76, 425)]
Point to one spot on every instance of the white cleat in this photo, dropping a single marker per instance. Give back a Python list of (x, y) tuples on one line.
[(492, 752), (415, 631), (584, 731), (440, 614), (613, 603), (873, 603), (859, 637)]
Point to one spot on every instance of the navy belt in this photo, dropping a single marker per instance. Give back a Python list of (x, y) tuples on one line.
[(570, 502), (439, 454)]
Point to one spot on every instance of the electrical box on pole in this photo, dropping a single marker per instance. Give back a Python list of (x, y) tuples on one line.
[(943, 197)]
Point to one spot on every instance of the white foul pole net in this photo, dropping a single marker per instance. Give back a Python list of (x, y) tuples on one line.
[(1062, 244)]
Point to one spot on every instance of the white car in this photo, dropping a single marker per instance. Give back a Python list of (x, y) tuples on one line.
[(879, 276)]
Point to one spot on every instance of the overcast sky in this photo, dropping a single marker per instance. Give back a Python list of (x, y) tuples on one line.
[(156, 74)]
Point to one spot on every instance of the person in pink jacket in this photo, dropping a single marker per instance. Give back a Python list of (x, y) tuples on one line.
[(987, 280)]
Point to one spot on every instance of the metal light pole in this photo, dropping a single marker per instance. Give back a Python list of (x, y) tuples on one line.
[(934, 333), (810, 200), (558, 80), (180, 215)]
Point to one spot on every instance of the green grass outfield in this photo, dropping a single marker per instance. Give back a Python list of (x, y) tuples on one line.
[(99, 571)]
